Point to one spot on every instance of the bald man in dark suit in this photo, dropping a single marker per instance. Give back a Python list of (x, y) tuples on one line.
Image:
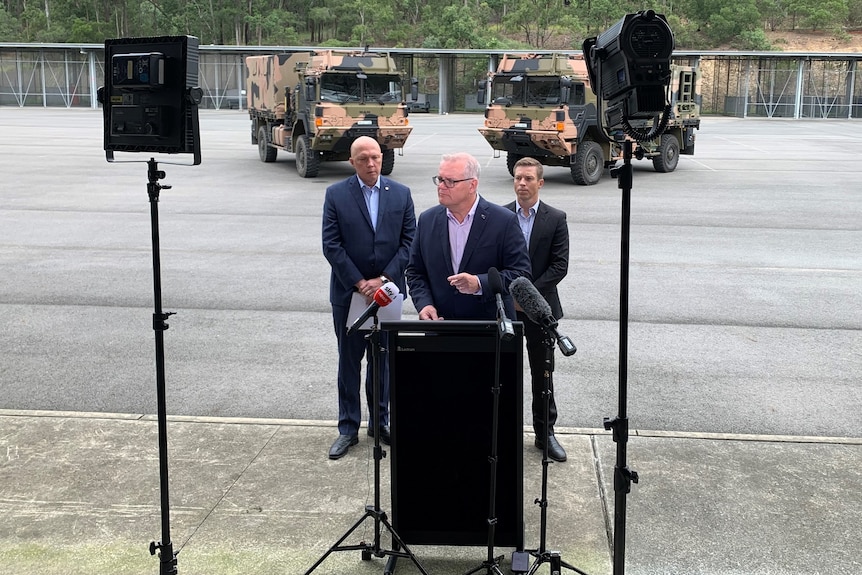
[(368, 226)]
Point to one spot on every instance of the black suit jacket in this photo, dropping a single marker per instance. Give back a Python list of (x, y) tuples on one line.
[(549, 252)]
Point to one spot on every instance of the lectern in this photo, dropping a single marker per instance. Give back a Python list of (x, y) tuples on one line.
[(441, 414)]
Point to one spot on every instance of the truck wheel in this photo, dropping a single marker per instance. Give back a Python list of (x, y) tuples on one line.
[(267, 152), (511, 160), (307, 160), (388, 162), (589, 164), (668, 154)]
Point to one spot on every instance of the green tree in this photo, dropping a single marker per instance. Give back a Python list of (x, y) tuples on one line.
[(755, 40), (826, 14), (273, 27), (773, 12), (9, 26), (83, 31), (373, 19), (534, 19), (458, 27), (685, 32), (732, 19), (33, 23), (320, 18), (854, 13)]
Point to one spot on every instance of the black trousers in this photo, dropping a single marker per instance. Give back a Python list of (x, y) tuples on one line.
[(536, 350)]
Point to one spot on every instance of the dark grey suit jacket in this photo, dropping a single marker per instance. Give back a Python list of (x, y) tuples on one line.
[(495, 240)]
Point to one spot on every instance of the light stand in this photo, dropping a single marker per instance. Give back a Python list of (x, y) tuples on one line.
[(623, 476), (637, 54), (374, 511), (541, 554), (164, 548), (492, 564)]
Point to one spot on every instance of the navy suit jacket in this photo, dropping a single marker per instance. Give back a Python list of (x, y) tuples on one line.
[(549, 252), (353, 248), (495, 240)]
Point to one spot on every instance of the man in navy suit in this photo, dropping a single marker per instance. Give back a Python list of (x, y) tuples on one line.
[(368, 226), (457, 242), (547, 236)]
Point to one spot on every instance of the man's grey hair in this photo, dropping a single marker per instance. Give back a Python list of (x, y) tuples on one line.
[(471, 164)]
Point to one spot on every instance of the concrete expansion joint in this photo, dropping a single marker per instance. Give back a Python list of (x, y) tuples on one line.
[(558, 430)]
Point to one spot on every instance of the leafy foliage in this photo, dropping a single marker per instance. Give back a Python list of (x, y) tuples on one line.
[(539, 24)]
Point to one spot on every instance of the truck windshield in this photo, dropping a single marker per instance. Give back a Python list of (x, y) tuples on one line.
[(344, 88), (383, 88), (526, 90)]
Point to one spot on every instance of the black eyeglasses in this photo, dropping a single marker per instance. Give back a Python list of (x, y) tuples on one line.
[(448, 182)]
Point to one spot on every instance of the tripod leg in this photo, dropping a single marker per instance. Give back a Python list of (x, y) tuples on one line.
[(556, 564), (374, 511), (337, 545)]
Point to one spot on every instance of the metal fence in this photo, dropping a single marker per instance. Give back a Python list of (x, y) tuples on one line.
[(744, 84)]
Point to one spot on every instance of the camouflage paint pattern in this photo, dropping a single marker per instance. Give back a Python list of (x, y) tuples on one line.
[(550, 131), (386, 123), (269, 82), (275, 93)]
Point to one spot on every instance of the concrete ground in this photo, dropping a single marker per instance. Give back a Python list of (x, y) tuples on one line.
[(80, 495)]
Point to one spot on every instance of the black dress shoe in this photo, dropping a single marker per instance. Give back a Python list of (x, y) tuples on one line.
[(341, 445), (385, 437), (555, 450)]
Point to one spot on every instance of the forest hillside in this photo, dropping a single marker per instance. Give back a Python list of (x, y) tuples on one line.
[(781, 25), (814, 42)]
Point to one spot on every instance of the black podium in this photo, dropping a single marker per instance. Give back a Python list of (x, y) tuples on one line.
[(441, 415)]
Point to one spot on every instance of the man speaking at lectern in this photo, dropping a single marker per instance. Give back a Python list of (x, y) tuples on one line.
[(457, 242)]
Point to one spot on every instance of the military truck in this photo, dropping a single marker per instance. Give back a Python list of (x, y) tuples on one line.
[(315, 104), (542, 106)]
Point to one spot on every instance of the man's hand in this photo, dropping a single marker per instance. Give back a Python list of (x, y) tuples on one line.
[(369, 287), (429, 312), (465, 283)]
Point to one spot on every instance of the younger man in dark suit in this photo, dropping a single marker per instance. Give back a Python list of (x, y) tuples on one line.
[(547, 237)]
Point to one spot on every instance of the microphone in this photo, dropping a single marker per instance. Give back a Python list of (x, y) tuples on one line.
[(504, 324), (539, 311), (382, 298)]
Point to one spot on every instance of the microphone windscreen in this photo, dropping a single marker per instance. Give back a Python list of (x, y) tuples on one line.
[(495, 282), (531, 301), (386, 293)]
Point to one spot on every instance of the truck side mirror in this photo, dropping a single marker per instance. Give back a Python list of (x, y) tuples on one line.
[(414, 89), (480, 93), (565, 89), (310, 90)]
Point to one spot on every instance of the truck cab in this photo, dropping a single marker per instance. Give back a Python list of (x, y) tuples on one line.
[(542, 106), (317, 104)]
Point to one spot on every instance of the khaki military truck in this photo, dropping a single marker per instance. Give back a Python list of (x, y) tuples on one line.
[(542, 106), (315, 104)]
